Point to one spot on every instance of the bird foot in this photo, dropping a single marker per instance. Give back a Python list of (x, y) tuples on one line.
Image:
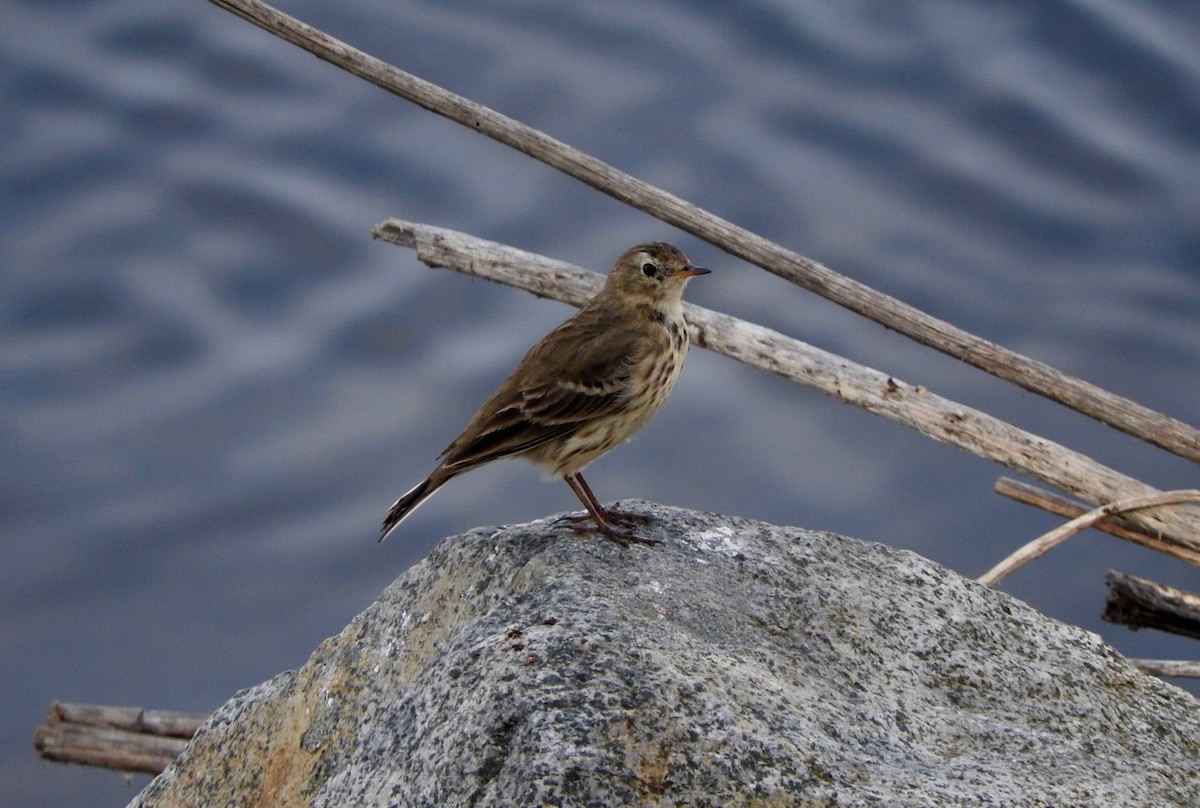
[(612, 517), (586, 523)]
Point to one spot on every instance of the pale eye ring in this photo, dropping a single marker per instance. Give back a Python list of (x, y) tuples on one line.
[(648, 269)]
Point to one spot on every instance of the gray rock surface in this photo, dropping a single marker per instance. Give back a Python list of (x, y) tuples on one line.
[(738, 663)]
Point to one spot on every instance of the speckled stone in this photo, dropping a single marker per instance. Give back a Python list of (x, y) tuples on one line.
[(737, 663)]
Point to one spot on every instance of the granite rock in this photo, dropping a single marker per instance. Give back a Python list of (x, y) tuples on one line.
[(737, 663)]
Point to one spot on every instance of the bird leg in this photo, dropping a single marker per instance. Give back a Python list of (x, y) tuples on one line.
[(598, 514), (612, 516)]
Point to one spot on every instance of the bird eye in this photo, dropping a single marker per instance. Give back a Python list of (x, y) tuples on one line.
[(648, 269)]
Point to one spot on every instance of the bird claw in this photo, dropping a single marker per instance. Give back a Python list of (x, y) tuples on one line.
[(621, 537), (611, 517)]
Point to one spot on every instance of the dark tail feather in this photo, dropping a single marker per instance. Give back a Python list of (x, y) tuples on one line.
[(407, 504)]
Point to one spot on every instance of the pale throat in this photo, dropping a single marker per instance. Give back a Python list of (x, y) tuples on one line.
[(666, 309)]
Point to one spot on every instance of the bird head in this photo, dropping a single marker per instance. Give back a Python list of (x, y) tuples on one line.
[(651, 272)]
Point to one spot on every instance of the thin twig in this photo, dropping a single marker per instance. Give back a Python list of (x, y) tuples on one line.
[(1041, 545), (1116, 411), (1116, 525), (934, 416)]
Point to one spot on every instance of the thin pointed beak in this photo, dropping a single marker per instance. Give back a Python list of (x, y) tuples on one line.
[(690, 271)]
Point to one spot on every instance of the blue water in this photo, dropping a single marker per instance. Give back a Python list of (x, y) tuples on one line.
[(213, 382)]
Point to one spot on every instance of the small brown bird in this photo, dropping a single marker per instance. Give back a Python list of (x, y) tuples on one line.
[(586, 387)]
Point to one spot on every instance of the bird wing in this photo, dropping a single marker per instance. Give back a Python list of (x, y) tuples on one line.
[(579, 372), (574, 375)]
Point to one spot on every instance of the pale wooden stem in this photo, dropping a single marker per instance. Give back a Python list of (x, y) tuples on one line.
[(171, 723), (124, 738), (1116, 526), (1043, 544), (1116, 411), (934, 416), (1168, 667), (108, 748)]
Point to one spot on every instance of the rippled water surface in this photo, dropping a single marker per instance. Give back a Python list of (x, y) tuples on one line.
[(213, 382)]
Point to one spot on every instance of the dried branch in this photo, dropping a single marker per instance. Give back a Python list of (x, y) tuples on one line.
[(1043, 544), (1116, 525), (939, 418), (1141, 603), (107, 748), (1116, 411), (1168, 667), (124, 738), (172, 723)]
